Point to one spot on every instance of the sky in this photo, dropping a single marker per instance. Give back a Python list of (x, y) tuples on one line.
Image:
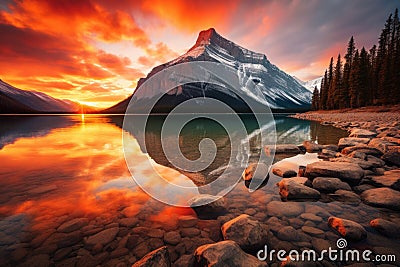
[(94, 52)]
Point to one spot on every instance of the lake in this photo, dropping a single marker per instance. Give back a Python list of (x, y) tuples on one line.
[(64, 179)]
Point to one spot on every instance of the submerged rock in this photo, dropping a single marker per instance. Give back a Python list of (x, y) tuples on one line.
[(348, 172), (208, 206), (287, 209), (347, 229), (382, 197), (290, 189), (385, 227), (104, 237), (73, 225), (327, 184), (345, 196), (248, 233), (156, 258), (225, 253)]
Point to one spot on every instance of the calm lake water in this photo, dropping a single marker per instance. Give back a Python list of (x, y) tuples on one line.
[(57, 169)]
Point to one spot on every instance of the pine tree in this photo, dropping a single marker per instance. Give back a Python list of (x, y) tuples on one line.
[(323, 91), (337, 84), (330, 91), (373, 80), (354, 82), (315, 99), (344, 93), (364, 78)]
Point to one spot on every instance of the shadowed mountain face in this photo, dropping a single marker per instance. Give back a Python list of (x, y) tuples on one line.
[(254, 71), (14, 100)]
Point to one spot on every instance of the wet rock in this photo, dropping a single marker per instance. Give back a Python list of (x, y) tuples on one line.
[(283, 172), (119, 252), (248, 233), (129, 222), (392, 157), (388, 179), (348, 172), (362, 133), (385, 227), (256, 171), (345, 196), (156, 258), (282, 149), (313, 231), (326, 184), (187, 221), (190, 232), (320, 244), (360, 162), (362, 149), (104, 237), (40, 260), (311, 146), (289, 189), (288, 209), (73, 225), (208, 206), (225, 253), (347, 229), (381, 144), (311, 217), (184, 261), (172, 238), (382, 197), (288, 233), (351, 141)]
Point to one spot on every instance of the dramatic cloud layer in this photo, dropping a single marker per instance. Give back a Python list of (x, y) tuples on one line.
[(95, 51)]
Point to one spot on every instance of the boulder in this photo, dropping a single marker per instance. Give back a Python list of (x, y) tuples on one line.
[(362, 133), (382, 197), (282, 149), (362, 163), (326, 154), (208, 206), (363, 149), (290, 189), (351, 141), (155, 258), (248, 233), (357, 154), (225, 253), (327, 184), (381, 144), (392, 158), (256, 171), (311, 146), (347, 229), (348, 172), (385, 227), (388, 179), (284, 172), (104, 237)]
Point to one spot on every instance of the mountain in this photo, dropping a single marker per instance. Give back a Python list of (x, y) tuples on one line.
[(14, 100), (310, 85), (280, 90)]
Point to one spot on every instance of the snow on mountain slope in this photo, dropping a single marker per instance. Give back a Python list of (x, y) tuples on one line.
[(35, 101), (310, 85), (280, 90)]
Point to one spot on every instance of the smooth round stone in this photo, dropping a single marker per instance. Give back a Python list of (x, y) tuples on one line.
[(172, 238), (313, 231), (288, 209), (187, 221)]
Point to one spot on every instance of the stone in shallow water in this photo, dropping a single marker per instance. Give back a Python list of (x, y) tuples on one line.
[(311, 146), (73, 225), (348, 172), (256, 171), (347, 229), (345, 196), (187, 221), (385, 227), (313, 231), (290, 189), (288, 209), (172, 238), (382, 197), (208, 206), (104, 237), (248, 233), (284, 172), (225, 253), (282, 149), (158, 257), (327, 184)]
